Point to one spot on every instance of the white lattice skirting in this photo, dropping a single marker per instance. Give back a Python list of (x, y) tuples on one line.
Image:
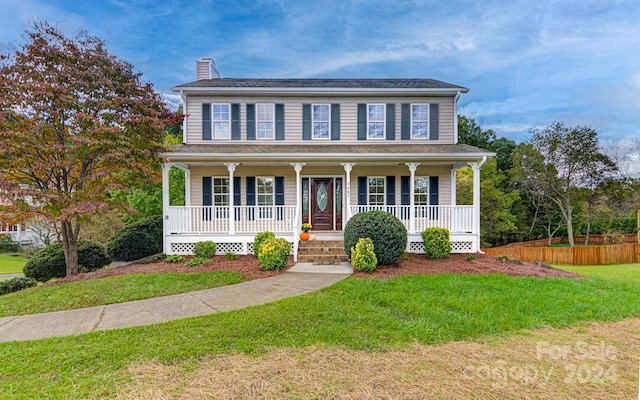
[(456, 247), (221, 248)]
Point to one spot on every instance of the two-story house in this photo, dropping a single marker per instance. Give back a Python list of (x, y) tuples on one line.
[(270, 154)]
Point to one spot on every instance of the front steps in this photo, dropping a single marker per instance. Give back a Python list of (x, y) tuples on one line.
[(321, 252)]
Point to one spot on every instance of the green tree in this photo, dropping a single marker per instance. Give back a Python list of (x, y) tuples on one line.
[(75, 123), (559, 160)]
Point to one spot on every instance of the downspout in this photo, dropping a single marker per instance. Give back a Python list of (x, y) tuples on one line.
[(455, 117)]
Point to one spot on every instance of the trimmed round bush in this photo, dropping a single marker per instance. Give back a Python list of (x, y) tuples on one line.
[(205, 249), (436, 242), (274, 254), (259, 239), (15, 284), (388, 234), (48, 262), (136, 241), (363, 256)]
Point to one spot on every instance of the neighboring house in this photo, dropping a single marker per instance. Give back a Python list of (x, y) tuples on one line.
[(270, 154)]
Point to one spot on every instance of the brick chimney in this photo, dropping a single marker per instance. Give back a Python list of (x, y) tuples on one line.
[(206, 69)]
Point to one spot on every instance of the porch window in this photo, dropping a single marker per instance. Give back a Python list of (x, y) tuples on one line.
[(375, 191), (221, 121), (265, 190), (421, 191), (220, 192), (375, 121), (265, 117), (321, 119), (420, 121)]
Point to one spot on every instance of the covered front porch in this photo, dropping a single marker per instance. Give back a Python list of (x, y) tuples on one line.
[(325, 194)]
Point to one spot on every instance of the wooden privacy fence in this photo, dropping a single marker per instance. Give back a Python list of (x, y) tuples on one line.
[(593, 239), (580, 255)]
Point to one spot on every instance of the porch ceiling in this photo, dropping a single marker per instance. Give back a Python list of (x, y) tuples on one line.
[(323, 153)]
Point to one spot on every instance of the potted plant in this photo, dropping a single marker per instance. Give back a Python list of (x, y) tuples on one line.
[(306, 227)]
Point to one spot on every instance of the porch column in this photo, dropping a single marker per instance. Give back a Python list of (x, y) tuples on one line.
[(476, 201), (298, 220), (412, 198), (454, 201), (232, 227), (347, 169), (165, 206), (187, 187)]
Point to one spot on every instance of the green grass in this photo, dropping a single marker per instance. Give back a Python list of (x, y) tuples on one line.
[(625, 272), (109, 290), (362, 314), (11, 264)]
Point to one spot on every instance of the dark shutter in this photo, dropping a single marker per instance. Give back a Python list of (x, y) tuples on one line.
[(279, 197), (362, 190), (434, 121), (362, 122), (405, 122), (206, 121), (235, 121), (251, 122), (391, 122), (251, 196), (279, 121), (335, 122), (391, 190), (237, 199), (306, 122), (433, 196), (207, 197), (405, 190)]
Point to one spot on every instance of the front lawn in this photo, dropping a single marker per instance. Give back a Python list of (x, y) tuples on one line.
[(358, 314), (11, 264), (625, 272), (109, 290)]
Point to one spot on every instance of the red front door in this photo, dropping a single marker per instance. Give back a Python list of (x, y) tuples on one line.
[(322, 204)]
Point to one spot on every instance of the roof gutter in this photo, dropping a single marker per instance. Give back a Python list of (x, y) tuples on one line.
[(321, 90)]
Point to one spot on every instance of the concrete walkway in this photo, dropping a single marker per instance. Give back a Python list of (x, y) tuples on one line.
[(300, 279), (9, 276)]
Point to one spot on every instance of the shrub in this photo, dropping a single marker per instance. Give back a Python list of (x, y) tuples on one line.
[(91, 256), (174, 258), (204, 249), (198, 261), (48, 262), (137, 240), (231, 255), (259, 239), (436, 243), (274, 254), (15, 284), (471, 257), (363, 256), (7, 244), (388, 234)]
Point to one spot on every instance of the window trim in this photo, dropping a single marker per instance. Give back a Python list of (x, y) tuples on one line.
[(427, 121), (313, 122), (272, 121), (383, 194), (383, 121), (266, 213)]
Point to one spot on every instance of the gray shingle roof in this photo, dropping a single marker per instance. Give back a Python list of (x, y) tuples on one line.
[(321, 83), (302, 152)]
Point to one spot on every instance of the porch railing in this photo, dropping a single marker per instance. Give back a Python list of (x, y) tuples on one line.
[(416, 219), (237, 219)]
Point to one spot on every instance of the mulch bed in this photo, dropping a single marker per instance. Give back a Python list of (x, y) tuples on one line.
[(414, 264)]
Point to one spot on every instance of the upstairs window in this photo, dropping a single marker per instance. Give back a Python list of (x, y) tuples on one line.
[(375, 121), (265, 117), (221, 121), (321, 119), (420, 121)]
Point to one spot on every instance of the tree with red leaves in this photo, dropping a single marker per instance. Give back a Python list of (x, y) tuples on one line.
[(75, 122)]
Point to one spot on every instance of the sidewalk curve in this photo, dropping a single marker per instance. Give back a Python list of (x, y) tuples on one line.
[(167, 308)]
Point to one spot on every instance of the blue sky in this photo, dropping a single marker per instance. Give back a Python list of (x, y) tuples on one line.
[(527, 63)]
